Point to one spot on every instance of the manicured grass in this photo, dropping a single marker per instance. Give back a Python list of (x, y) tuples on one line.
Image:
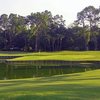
[(77, 86), (63, 55)]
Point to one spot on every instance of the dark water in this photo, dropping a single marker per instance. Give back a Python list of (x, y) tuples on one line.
[(29, 71)]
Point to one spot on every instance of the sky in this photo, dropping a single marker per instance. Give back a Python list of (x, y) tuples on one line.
[(67, 8)]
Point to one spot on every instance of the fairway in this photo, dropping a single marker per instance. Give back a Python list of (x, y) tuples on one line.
[(77, 86), (62, 55)]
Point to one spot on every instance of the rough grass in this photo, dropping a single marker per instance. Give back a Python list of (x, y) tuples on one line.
[(63, 55), (77, 86)]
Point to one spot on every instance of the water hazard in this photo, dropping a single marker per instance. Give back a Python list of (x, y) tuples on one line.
[(30, 71)]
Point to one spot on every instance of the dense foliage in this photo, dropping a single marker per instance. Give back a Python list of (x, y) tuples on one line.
[(43, 32)]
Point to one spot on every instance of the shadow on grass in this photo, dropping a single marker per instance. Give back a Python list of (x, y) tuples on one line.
[(52, 92), (53, 97)]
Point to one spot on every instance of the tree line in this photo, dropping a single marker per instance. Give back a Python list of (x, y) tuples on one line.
[(41, 31)]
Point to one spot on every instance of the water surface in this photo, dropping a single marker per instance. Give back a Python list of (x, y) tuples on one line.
[(30, 71)]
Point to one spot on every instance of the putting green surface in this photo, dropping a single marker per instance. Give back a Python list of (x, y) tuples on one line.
[(77, 86)]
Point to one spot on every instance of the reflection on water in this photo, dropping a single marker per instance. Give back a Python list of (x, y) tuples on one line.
[(29, 71)]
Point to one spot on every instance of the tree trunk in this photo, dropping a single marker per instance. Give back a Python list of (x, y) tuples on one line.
[(53, 44), (36, 43), (60, 44)]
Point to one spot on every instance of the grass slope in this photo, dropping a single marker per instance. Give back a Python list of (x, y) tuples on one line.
[(64, 55), (77, 86)]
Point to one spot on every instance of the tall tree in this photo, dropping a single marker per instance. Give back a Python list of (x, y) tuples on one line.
[(88, 17), (4, 23), (39, 25)]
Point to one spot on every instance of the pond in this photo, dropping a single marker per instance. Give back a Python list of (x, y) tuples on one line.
[(30, 71)]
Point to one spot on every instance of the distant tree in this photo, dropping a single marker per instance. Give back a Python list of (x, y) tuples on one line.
[(88, 18), (39, 25), (3, 28), (41, 31)]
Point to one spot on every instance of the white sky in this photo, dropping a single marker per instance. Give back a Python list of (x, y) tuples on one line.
[(67, 8)]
